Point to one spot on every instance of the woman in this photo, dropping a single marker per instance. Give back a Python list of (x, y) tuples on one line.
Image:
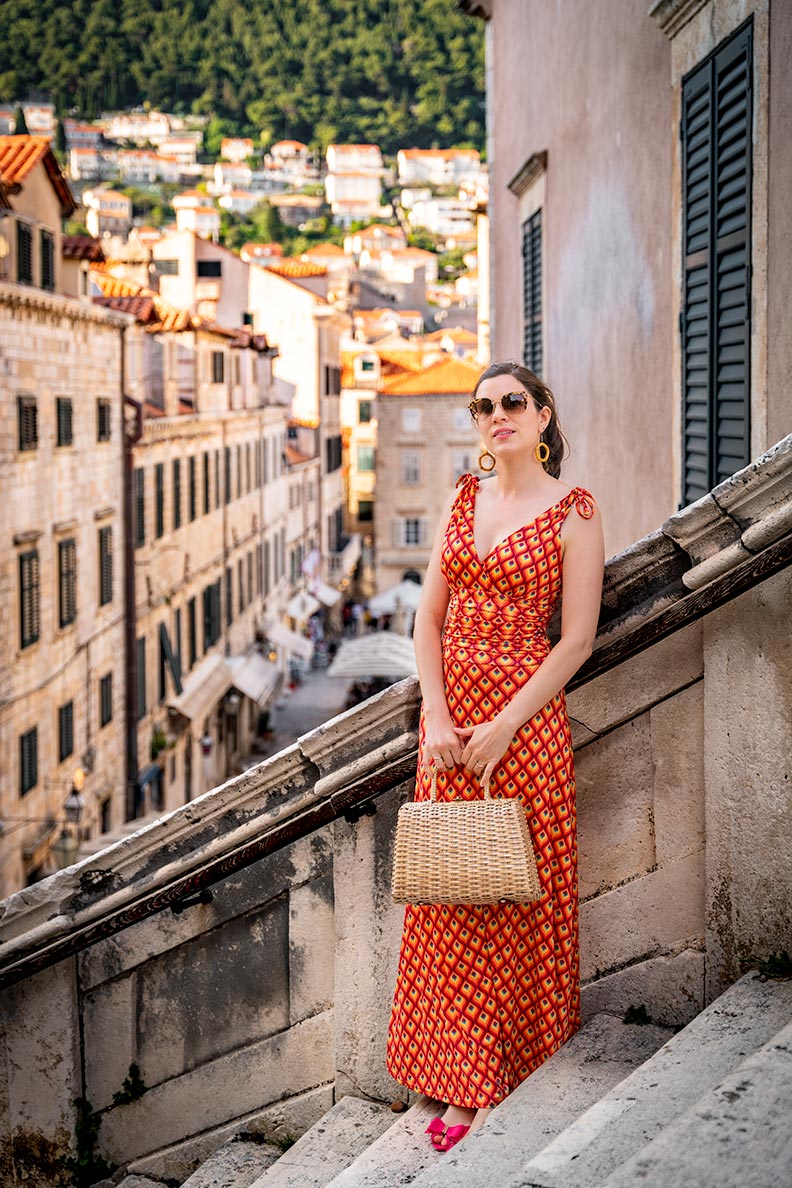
[(485, 994)]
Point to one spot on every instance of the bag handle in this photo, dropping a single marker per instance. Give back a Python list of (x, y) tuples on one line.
[(485, 784)]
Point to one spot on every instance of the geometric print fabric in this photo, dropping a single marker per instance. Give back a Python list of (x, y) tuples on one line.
[(484, 994)]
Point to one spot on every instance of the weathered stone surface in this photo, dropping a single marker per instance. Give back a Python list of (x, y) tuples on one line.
[(329, 1146), (234, 1165), (647, 916), (397, 1156), (139, 1182), (283, 1120), (180, 997), (735, 1136), (614, 802), (109, 1038), (670, 988), (237, 1083), (639, 682), (600, 1055), (663, 1088), (242, 892), (748, 765), (368, 931), (311, 948), (677, 754)]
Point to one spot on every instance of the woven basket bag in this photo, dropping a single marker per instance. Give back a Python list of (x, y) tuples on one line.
[(464, 851)]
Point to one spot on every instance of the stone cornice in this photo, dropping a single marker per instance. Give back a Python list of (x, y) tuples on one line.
[(23, 297), (710, 552), (533, 168), (671, 15)]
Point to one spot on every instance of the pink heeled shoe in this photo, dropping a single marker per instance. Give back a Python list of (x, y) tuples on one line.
[(449, 1136)]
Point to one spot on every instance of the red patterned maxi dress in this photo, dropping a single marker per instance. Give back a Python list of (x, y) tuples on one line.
[(485, 994)]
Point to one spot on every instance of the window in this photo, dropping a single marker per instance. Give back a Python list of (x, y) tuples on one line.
[(167, 267), (47, 251), (106, 699), (715, 322), (103, 420), (65, 731), (28, 760), (211, 614), (192, 636), (217, 478), (461, 463), (218, 367), (177, 499), (411, 420), (24, 238), (140, 508), (191, 489), (332, 378), (105, 565), (239, 470), (532, 292), (29, 597), (367, 364), (365, 510), (141, 677), (227, 482), (410, 531), (206, 490), (159, 499), (364, 412), (462, 420), (250, 577), (63, 417), (259, 554), (333, 452), (27, 422), (410, 468), (266, 568), (229, 578), (209, 268), (177, 635), (105, 815), (248, 468), (365, 457), (67, 582), (241, 584)]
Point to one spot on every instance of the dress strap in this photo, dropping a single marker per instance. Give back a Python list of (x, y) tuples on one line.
[(583, 501)]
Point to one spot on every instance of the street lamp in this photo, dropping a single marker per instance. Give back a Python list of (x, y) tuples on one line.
[(66, 845)]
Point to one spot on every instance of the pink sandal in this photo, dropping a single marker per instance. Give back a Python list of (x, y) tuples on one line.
[(449, 1136)]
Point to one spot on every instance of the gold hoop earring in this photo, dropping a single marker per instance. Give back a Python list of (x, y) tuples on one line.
[(482, 457), (542, 451)]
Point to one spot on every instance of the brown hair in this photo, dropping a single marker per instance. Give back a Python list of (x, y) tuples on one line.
[(542, 398)]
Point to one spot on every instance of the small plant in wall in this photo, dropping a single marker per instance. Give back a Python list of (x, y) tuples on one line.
[(159, 741), (86, 1166), (133, 1087)]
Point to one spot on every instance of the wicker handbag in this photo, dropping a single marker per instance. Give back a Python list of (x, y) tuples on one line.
[(464, 851)]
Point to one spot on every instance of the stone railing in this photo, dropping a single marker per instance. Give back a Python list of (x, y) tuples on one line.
[(256, 991)]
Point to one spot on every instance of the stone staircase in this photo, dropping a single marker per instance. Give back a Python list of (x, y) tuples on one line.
[(620, 1104)]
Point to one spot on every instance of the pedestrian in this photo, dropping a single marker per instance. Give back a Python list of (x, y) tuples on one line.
[(485, 994)]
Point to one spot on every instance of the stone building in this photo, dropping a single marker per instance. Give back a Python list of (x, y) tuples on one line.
[(641, 235), (425, 440), (62, 705), (207, 548)]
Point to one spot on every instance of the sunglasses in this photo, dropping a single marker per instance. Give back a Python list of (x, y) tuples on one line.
[(512, 402)]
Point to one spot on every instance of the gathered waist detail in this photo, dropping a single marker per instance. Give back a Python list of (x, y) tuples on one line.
[(496, 625)]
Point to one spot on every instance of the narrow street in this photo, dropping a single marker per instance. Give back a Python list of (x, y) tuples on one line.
[(318, 699)]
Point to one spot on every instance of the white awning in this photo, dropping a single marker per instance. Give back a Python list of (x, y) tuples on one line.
[(202, 689), (407, 594), (290, 641), (254, 677), (302, 606), (381, 653), (326, 594)]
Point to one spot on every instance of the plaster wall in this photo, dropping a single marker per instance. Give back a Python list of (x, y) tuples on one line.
[(591, 85)]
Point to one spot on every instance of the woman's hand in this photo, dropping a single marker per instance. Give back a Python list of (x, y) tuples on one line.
[(441, 744), (484, 746)]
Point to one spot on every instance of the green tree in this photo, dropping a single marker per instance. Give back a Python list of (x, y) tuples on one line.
[(20, 123)]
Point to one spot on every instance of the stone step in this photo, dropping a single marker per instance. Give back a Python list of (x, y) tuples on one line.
[(398, 1156), (632, 1114), (736, 1136), (596, 1058), (330, 1145), (236, 1164)]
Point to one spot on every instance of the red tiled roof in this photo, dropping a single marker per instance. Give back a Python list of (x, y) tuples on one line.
[(20, 154), (296, 144), (295, 269), (444, 154), (447, 377), (81, 247), (455, 333), (323, 249)]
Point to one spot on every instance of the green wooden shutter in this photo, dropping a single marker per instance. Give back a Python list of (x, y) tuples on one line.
[(532, 292), (715, 322)]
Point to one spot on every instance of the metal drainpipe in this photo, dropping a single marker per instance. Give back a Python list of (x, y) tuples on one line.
[(130, 437)]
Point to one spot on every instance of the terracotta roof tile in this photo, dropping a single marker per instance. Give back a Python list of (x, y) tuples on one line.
[(446, 377), (20, 154), (295, 269)]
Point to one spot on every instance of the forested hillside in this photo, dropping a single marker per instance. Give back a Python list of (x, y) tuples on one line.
[(395, 72)]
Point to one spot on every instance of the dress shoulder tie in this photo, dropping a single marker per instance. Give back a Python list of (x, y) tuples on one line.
[(584, 502)]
